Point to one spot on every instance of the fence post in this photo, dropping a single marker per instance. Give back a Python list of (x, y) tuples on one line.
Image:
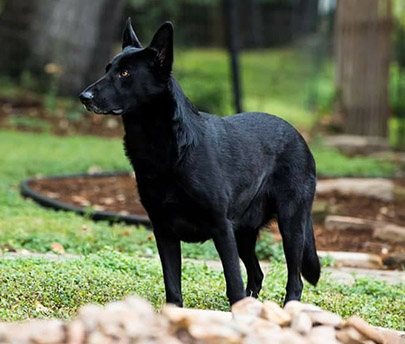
[(232, 35)]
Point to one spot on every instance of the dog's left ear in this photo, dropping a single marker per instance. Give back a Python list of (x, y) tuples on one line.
[(162, 43), (129, 37)]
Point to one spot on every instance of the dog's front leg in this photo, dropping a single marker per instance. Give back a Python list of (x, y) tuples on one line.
[(225, 244), (170, 257)]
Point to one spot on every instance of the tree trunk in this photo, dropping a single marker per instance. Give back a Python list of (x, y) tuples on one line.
[(362, 55), (76, 35)]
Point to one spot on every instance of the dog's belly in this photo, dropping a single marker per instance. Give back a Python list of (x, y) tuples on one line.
[(190, 229)]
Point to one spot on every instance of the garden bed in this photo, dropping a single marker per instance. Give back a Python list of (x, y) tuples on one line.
[(115, 196)]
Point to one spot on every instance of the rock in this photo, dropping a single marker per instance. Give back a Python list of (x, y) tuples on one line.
[(322, 335), (134, 321), (350, 335), (390, 337), (295, 307), (395, 260), (376, 188), (89, 316), (248, 305), (357, 145), (325, 318), (57, 248), (75, 333), (390, 232), (341, 223), (365, 329), (273, 312), (211, 332), (289, 336), (353, 259), (301, 323)]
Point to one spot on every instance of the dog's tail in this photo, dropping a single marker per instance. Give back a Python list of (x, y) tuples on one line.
[(311, 268)]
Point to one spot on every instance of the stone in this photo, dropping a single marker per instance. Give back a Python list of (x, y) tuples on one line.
[(350, 335), (211, 332), (325, 318), (390, 232), (273, 312), (289, 336), (248, 305), (395, 260), (75, 333), (294, 307), (301, 323), (322, 335), (376, 188), (390, 337), (365, 329), (49, 332), (89, 316), (353, 259), (341, 223), (357, 145)]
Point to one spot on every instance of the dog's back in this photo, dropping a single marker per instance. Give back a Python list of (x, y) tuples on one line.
[(200, 176)]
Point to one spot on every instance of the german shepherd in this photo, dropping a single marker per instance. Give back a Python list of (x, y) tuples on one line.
[(204, 177)]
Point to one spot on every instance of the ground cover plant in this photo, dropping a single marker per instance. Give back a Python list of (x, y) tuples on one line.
[(39, 288), (114, 263)]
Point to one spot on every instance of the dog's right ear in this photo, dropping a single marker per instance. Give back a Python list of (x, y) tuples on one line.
[(129, 37)]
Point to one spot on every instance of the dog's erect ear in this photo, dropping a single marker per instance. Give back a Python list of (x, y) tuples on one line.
[(162, 43), (129, 37)]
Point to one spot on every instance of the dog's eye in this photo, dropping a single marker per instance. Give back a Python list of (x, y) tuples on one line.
[(124, 73)]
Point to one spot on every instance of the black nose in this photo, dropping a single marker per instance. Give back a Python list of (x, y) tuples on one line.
[(86, 97)]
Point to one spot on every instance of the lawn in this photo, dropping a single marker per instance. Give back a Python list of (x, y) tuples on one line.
[(114, 259), (114, 263), (285, 81)]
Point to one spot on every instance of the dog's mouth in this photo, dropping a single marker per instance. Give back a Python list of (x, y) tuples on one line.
[(99, 111)]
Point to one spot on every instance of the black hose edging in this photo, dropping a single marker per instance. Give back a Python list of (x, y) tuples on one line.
[(95, 215)]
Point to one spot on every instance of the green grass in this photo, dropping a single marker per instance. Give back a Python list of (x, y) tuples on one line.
[(38, 288), (283, 81), (24, 225), (104, 274), (112, 267)]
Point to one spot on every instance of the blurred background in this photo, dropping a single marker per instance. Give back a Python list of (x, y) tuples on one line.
[(335, 69), (324, 65)]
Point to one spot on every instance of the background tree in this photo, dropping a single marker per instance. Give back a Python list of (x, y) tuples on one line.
[(363, 32), (75, 35)]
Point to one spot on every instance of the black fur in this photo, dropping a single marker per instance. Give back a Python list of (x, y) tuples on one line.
[(204, 177)]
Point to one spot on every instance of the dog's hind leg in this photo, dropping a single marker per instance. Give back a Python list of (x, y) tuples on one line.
[(246, 241), (292, 219)]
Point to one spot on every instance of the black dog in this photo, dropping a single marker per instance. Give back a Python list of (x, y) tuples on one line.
[(204, 177)]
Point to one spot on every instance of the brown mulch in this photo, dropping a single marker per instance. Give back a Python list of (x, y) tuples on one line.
[(119, 194)]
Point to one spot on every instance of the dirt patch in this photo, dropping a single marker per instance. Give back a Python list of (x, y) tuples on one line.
[(119, 194), (114, 193)]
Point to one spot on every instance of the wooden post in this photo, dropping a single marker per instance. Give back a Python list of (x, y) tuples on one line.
[(232, 26), (362, 43)]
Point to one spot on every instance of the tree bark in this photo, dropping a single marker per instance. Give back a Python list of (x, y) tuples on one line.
[(76, 35), (362, 35)]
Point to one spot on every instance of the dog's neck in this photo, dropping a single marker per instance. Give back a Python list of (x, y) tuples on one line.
[(163, 130)]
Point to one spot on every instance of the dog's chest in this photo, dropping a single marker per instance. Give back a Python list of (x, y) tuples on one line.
[(171, 205)]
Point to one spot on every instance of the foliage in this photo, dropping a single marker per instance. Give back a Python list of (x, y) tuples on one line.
[(332, 163), (268, 248), (273, 80), (39, 288), (26, 122)]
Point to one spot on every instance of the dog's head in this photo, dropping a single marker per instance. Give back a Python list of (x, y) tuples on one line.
[(135, 76)]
